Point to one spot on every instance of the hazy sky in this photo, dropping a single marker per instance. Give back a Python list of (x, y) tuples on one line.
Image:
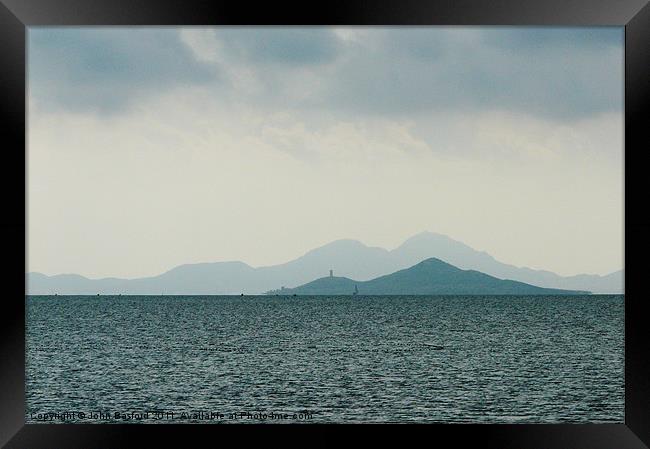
[(153, 147)]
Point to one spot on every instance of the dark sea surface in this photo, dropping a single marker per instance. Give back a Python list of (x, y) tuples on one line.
[(449, 359)]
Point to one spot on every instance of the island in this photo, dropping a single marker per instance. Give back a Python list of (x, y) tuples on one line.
[(429, 277)]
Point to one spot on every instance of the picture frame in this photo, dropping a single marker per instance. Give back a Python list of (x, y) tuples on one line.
[(17, 15)]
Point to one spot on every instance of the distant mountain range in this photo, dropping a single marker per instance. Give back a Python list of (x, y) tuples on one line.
[(429, 277), (348, 258)]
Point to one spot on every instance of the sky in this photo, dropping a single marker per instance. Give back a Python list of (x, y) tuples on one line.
[(153, 147)]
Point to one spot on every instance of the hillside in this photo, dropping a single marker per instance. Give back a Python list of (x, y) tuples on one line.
[(429, 277)]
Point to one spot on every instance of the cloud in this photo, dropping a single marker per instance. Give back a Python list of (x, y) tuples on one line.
[(540, 38), (274, 45), (555, 73), (108, 69)]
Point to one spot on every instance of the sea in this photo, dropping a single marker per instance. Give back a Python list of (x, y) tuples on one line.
[(325, 359)]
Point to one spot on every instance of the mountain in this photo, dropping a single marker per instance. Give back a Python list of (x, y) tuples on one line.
[(428, 244), (348, 258), (429, 277)]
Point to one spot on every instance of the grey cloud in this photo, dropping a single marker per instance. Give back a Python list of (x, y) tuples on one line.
[(567, 74), (558, 73), (530, 38), (107, 69), (282, 45)]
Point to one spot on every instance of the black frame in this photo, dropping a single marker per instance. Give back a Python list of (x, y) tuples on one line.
[(16, 15)]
